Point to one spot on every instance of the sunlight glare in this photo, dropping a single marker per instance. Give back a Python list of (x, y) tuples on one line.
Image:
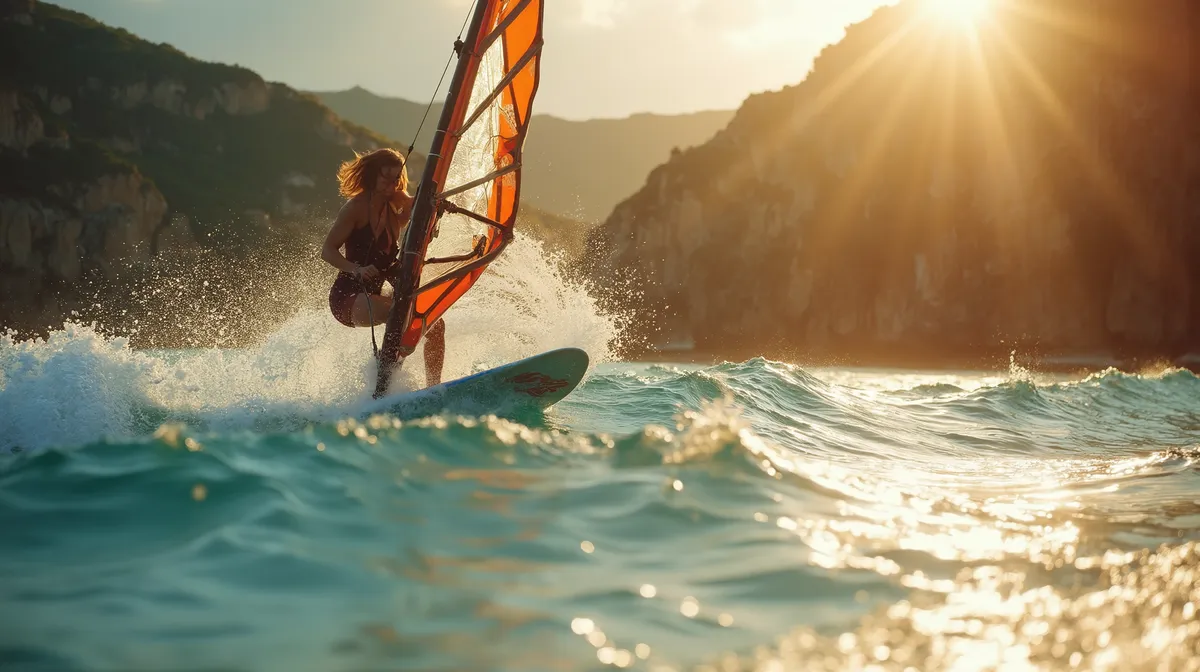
[(963, 12)]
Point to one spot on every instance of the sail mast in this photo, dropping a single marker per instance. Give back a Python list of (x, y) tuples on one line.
[(424, 212), (470, 189)]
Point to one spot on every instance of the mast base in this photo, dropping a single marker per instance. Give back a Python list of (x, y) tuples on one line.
[(384, 378)]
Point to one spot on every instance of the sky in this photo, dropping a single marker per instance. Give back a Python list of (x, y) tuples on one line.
[(602, 58)]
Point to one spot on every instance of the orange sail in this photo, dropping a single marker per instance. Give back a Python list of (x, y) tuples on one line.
[(467, 200)]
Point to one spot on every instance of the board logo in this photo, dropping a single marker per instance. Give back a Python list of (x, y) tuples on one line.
[(539, 384)]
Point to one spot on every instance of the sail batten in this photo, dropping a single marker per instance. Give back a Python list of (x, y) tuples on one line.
[(480, 181), (511, 16), (469, 195), (504, 83)]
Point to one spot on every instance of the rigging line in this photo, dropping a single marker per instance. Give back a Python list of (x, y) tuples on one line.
[(361, 282), (458, 43)]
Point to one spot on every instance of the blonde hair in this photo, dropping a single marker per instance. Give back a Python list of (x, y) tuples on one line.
[(359, 175)]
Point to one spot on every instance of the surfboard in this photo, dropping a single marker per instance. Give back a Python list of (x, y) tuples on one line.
[(536, 382)]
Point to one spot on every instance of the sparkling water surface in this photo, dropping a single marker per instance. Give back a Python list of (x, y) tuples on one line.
[(223, 510)]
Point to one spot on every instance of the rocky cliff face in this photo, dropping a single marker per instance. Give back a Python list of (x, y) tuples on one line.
[(110, 220), (116, 151), (170, 95), (933, 191)]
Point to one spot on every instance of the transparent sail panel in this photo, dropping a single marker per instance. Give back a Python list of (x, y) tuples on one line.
[(474, 158), (485, 139)]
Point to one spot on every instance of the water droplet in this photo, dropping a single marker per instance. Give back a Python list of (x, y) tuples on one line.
[(320, 447), (677, 485), (582, 626), (642, 651), (648, 590), (199, 492), (587, 546), (725, 620), (690, 607)]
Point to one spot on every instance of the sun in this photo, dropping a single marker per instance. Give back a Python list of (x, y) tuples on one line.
[(963, 12)]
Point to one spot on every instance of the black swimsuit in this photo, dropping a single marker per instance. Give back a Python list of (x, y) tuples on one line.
[(362, 249)]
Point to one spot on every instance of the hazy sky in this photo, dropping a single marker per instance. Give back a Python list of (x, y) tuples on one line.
[(603, 58)]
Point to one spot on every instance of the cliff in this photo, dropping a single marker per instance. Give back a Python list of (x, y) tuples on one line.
[(935, 192), (117, 153), (574, 169)]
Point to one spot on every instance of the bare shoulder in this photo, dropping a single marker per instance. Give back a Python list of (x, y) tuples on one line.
[(354, 209)]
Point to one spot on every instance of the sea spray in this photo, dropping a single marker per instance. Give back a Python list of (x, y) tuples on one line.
[(82, 382), (75, 386)]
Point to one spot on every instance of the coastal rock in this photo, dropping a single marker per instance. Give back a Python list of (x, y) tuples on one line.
[(869, 210), (60, 104), (172, 95), (18, 221), (251, 97), (38, 243), (124, 212), (20, 125), (175, 236), (331, 130), (167, 94), (111, 223), (17, 11)]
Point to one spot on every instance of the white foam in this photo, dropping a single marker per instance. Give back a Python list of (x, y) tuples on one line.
[(76, 385), (80, 385)]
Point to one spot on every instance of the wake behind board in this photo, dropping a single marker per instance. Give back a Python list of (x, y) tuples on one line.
[(535, 382)]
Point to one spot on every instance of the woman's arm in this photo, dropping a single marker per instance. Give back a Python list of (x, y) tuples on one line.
[(401, 201), (342, 227)]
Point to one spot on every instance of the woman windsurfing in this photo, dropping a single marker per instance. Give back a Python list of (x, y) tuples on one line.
[(370, 225)]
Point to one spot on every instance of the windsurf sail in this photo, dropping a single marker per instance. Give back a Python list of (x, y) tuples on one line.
[(466, 203)]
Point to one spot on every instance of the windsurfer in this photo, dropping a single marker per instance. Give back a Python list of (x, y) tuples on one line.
[(371, 225)]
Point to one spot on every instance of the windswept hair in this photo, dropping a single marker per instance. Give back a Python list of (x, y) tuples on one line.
[(359, 175)]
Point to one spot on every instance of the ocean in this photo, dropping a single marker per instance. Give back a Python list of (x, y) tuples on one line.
[(213, 509)]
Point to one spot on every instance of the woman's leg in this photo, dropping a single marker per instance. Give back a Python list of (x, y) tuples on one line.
[(435, 352), (378, 312), (435, 337)]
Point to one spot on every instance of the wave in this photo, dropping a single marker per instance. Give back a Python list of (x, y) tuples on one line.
[(681, 513), (82, 383)]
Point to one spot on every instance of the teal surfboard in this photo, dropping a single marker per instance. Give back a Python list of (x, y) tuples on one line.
[(533, 383)]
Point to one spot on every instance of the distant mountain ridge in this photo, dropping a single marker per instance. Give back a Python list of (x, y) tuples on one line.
[(577, 169)]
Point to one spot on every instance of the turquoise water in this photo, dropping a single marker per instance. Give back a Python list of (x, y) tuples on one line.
[(218, 510), (663, 517)]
